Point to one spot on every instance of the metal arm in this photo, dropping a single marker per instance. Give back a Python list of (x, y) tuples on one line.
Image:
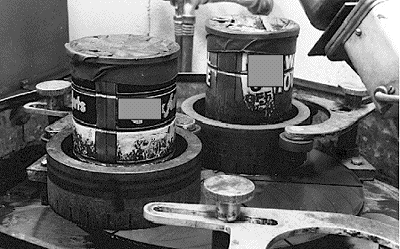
[(261, 228)]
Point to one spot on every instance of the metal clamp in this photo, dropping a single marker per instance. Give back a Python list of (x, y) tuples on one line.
[(261, 228), (56, 94), (257, 227), (41, 108), (340, 119)]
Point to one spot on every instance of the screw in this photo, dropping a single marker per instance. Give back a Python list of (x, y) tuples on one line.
[(229, 192), (44, 162), (357, 161), (358, 32), (391, 90)]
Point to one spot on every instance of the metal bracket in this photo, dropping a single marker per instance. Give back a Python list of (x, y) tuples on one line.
[(261, 228), (340, 119), (361, 167), (41, 108)]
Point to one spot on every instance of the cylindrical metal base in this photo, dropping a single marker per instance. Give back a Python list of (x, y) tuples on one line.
[(245, 149), (113, 197)]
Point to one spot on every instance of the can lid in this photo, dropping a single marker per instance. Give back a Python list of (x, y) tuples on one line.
[(122, 49), (252, 27)]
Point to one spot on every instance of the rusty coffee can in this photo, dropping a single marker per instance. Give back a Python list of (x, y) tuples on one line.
[(123, 98), (250, 68)]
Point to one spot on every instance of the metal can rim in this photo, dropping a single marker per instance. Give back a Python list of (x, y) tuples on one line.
[(91, 57), (292, 30)]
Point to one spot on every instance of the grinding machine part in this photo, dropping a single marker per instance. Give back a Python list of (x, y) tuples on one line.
[(113, 197), (296, 146), (245, 149), (250, 69), (228, 192), (322, 12), (228, 189)]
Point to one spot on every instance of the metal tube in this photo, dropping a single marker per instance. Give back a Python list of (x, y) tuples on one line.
[(384, 97), (178, 37), (187, 42)]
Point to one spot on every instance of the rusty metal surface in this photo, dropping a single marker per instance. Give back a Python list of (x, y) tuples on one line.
[(261, 228)]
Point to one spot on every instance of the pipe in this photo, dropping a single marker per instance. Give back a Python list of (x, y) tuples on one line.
[(178, 5), (178, 37), (187, 42), (384, 97)]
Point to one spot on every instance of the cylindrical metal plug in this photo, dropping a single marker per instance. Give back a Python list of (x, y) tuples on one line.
[(228, 192), (55, 92)]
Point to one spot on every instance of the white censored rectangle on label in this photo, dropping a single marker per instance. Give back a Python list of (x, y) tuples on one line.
[(139, 109), (265, 70)]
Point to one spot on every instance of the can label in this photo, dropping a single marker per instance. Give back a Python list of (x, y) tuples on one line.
[(84, 106), (84, 141), (145, 145), (263, 98), (87, 106), (269, 91), (129, 147)]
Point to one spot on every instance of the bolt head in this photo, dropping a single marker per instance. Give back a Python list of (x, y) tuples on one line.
[(357, 161), (184, 121), (229, 189), (44, 162)]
